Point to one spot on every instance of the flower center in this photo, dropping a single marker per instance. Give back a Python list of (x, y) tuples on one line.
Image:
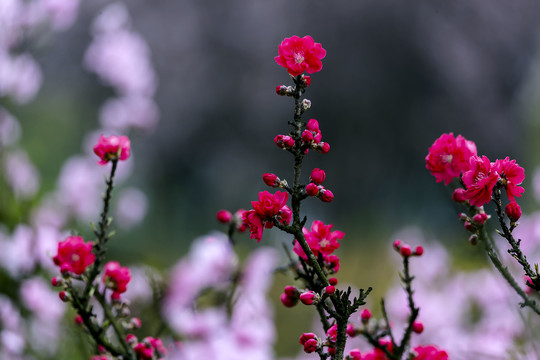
[(447, 159), (75, 257), (298, 58)]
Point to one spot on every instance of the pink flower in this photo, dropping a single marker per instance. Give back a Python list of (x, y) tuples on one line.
[(448, 157), (512, 175), (430, 352), (74, 255), (355, 354), (300, 54), (269, 205), (365, 315), (331, 334), (116, 278), (255, 224), (112, 148), (323, 238), (480, 181)]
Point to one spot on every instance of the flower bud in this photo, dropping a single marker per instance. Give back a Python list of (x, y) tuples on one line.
[(351, 331), (323, 147), (330, 289), (459, 195), (405, 251), (397, 244), (307, 336), (131, 339), (64, 296), (469, 226), (333, 281), (135, 323), (312, 189), (418, 251), (271, 180), (417, 327), (317, 176), (307, 298), (326, 196), (355, 354), (288, 301), (224, 216), (365, 315), (306, 80), (306, 104), (463, 217), (307, 136), (473, 239), (480, 218), (78, 319), (281, 90), (311, 346), (313, 125), (513, 211), (57, 281)]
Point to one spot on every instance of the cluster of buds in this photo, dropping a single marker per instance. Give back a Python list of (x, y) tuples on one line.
[(314, 188), (116, 278), (284, 142), (273, 181), (310, 342), (405, 249), (290, 296), (284, 90), (148, 349), (312, 137), (474, 224), (235, 220)]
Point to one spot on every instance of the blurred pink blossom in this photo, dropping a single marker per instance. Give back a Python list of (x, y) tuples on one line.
[(12, 341), (16, 255), (131, 207), (20, 77), (132, 111), (21, 174), (10, 129)]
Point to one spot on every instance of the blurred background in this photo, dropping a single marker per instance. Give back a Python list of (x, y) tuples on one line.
[(396, 76)]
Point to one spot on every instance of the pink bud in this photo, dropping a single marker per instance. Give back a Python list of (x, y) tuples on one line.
[(397, 244), (318, 176), (64, 296), (365, 315), (271, 180), (326, 196), (469, 226), (307, 297), (291, 291), (324, 147), (405, 251), (351, 330), (311, 345), (131, 339), (513, 211), (463, 217), (306, 80), (480, 218), (57, 281), (419, 251), (317, 138), (312, 189), (313, 125), (307, 336), (78, 319), (281, 90), (288, 142), (136, 322), (288, 301), (418, 327), (355, 354), (333, 281), (307, 136), (224, 216), (459, 195), (330, 289)]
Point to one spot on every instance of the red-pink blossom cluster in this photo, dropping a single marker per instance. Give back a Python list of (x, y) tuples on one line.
[(323, 242), (148, 349), (450, 157), (314, 188), (427, 352), (312, 137), (290, 296), (116, 278), (112, 148), (270, 207), (300, 54), (74, 255)]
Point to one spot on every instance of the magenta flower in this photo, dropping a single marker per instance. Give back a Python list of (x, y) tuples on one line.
[(324, 239), (512, 175), (479, 181), (300, 54), (430, 352), (74, 255), (112, 148), (449, 156), (116, 277), (269, 207)]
